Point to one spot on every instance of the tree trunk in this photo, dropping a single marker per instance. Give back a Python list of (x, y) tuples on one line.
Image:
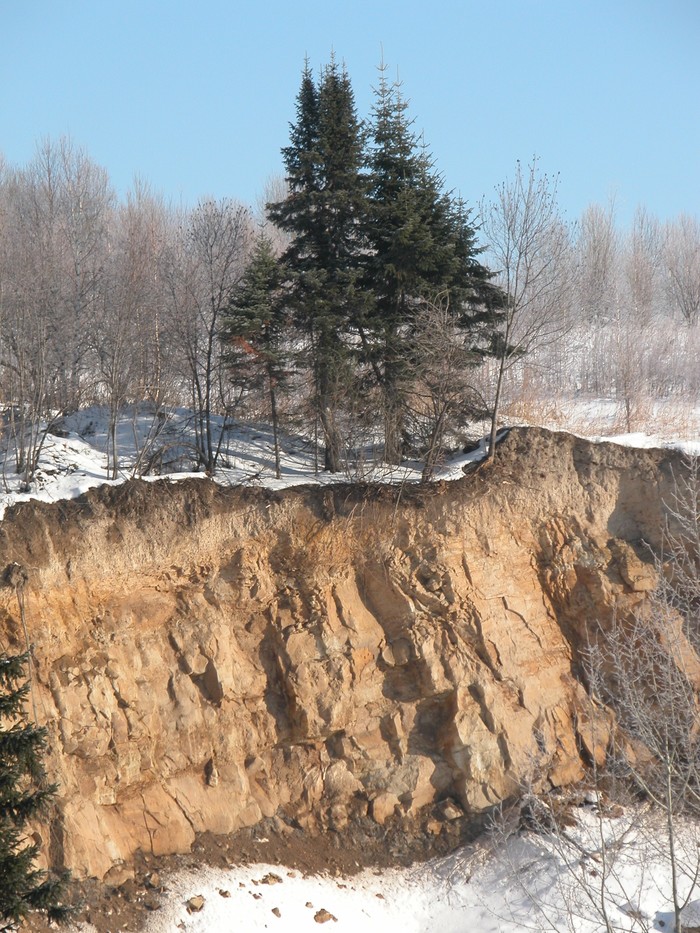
[(275, 422), (393, 423), (393, 414), (332, 458), (326, 411), (496, 407)]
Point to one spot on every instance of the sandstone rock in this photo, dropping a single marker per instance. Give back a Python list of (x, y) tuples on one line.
[(383, 806), (195, 904), (339, 782), (449, 810), (639, 575), (209, 808), (323, 916), (118, 875), (338, 817), (231, 654), (211, 773)]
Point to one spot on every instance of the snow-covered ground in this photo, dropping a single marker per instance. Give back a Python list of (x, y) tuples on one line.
[(78, 460), (527, 882)]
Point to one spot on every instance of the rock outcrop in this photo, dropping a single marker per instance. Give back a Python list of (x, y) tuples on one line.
[(205, 656)]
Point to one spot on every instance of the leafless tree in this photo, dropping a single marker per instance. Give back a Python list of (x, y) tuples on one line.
[(129, 342), (646, 667), (64, 202), (642, 261), (598, 257), (643, 672), (640, 667), (202, 269), (529, 246), (87, 201), (682, 262), (566, 849), (29, 273), (441, 372), (274, 191)]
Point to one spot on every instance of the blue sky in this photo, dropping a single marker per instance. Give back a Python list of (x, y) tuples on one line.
[(196, 97)]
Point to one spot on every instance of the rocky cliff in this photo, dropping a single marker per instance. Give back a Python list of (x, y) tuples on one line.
[(205, 657)]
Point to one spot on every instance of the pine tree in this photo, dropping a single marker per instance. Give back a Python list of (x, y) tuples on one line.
[(24, 796), (255, 328), (323, 212)]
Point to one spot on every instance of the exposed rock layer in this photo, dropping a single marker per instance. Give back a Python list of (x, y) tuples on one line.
[(207, 656)]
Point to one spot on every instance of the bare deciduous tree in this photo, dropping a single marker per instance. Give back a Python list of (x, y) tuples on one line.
[(598, 253), (641, 257), (31, 275), (682, 262), (202, 270), (643, 671), (528, 245), (442, 370), (129, 342)]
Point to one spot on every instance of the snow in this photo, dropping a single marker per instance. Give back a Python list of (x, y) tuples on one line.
[(70, 465), (652, 441), (402, 901), (526, 882), (77, 460), (423, 898)]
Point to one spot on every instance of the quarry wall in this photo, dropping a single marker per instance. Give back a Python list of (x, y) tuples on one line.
[(205, 657)]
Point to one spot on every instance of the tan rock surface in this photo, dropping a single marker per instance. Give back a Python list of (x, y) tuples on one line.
[(207, 656)]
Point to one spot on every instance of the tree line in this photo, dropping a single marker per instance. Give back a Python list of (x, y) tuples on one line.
[(365, 305)]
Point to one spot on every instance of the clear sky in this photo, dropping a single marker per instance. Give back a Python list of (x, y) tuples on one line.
[(196, 97)]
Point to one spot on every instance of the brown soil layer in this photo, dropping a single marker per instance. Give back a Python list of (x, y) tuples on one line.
[(363, 845)]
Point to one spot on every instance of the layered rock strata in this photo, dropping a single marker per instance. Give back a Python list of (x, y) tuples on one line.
[(206, 656)]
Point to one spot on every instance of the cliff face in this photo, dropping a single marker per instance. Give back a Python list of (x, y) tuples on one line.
[(206, 657)]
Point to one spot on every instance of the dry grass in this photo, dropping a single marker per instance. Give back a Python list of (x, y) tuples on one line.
[(669, 419)]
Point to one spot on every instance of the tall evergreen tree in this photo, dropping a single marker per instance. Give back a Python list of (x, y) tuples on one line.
[(296, 214), (254, 330), (400, 251), (323, 213), (373, 236), (421, 244), (24, 795)]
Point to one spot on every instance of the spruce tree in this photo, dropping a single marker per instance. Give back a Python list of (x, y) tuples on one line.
[(421, 245), (400, 251), (296, 214), (374, 236), (24, 796), (323, 213), (255, 329)]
